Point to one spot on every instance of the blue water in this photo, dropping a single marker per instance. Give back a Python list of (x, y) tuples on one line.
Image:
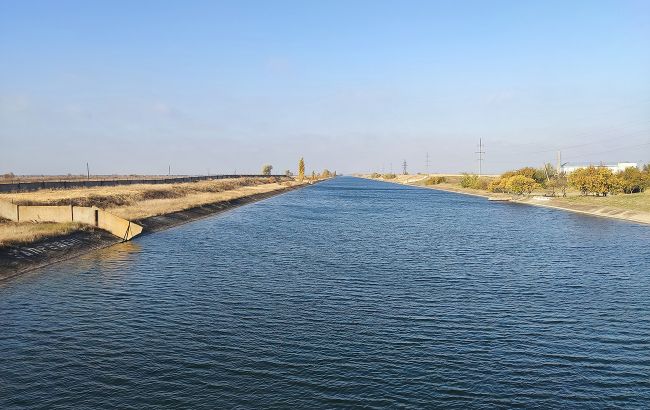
[(349, 293)]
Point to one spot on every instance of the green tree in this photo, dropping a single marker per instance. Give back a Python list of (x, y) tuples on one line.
[(301, 169), (266, 169), (326, 173)]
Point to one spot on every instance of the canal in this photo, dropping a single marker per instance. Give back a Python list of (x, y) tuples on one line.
[(348, 293)]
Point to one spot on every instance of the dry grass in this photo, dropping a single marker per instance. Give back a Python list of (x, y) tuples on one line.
[(628, 202), (126, 195), (8, 178), (12, 233), (160, 206)]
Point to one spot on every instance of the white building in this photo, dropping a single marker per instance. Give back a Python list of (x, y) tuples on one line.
[(621, 166)]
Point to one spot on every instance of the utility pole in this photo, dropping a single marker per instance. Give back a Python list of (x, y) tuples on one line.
[(87, 171), (391, 167), (559, 162), (480, 153), (426, 162), (404, 168), (169, 170)]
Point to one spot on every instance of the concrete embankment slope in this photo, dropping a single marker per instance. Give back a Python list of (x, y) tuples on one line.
[(18, 259), (594, 210)]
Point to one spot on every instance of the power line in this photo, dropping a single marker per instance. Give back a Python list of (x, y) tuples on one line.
[(617, 149), (586, 144)]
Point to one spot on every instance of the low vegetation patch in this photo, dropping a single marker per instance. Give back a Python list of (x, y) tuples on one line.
[(633, 202), (435, 180), (473, 181), (13, 233)]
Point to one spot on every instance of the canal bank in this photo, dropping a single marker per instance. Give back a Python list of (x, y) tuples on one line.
[(630, 215), (18, 259)]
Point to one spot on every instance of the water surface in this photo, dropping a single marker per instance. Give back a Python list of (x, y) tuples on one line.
[(348, 293)]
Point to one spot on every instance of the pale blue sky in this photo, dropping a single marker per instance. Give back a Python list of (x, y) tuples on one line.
[(132, 86)]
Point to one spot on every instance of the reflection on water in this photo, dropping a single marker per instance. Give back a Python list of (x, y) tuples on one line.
[(116, 257), (113, 262), (347, 293)]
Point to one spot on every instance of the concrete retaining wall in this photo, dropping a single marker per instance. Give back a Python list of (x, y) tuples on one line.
[(116, 225), (59, 214), (9, 211), (85, 215), (35, 186)]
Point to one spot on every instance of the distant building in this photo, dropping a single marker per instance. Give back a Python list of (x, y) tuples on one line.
[(621, 166)]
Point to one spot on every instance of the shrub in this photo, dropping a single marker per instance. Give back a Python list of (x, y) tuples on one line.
[(599, 181), (469, 180), (434, 180), (539, 175), (375, 175), (473, 181), (514, 184), (498, 185), (519, 184), (389, 176), (631, 180)]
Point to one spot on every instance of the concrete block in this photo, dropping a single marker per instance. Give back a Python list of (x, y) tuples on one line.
[(118, 226)]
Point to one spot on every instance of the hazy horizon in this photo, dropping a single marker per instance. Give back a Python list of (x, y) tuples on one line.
[(349, 86)]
